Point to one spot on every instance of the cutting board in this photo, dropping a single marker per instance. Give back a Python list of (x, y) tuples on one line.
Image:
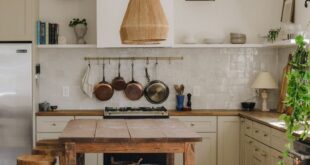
[(284, 83)]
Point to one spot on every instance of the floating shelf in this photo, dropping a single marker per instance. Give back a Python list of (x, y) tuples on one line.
[(67, 46), (218, 45), (263, 45), (280, 44)]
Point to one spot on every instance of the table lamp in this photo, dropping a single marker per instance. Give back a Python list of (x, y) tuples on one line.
[(263, 82)]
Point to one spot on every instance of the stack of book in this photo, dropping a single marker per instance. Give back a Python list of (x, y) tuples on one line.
[(47, 33)]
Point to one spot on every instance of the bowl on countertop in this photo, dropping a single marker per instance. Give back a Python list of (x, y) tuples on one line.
[(237, 38), (248, 106)]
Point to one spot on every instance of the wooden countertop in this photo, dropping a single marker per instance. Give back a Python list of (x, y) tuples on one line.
[(71, 113), (132, 130)]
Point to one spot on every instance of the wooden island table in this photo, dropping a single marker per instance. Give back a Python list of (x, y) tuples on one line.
[(129, 136)]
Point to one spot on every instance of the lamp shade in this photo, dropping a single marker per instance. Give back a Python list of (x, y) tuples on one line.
[(264, 80), (144, 23)]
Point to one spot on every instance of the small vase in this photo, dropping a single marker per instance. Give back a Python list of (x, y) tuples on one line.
[(80, 31), (180, 102)]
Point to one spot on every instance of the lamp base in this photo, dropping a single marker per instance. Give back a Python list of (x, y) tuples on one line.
[(264, 96)]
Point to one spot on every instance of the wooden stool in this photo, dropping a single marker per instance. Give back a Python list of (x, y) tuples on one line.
[(56, 151), (36, 160)]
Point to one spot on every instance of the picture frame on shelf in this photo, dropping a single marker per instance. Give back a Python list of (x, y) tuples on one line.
[(288, 11)]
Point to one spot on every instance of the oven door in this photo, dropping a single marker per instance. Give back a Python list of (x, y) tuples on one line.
[(147, 159)]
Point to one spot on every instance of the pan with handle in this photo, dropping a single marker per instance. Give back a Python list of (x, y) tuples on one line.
[(118, 82), (156, 91), (134, 89), (103, 90)]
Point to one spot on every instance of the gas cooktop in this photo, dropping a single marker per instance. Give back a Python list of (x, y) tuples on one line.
[(135, 112)]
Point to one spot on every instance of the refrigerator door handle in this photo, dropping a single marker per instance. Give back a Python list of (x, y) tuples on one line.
[(21, 51)]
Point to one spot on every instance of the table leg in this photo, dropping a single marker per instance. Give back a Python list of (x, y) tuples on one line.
[(189, 154), (170, 159), (70, 153)]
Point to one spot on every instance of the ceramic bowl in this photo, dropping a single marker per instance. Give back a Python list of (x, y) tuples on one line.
[(248, 106)]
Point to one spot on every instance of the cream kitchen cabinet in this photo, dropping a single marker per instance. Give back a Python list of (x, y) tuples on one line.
[(110, 15), (261, 145), (228, 140), (206, 150), (17, 19)]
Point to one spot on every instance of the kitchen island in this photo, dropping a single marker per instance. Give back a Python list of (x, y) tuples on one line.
[(129, 136)]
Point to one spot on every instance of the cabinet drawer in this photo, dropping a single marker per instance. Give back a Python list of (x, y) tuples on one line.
[(248, 127), (278, 140), (276, 156), (261, 133), (52, 124), (261, 151), (200, 124)]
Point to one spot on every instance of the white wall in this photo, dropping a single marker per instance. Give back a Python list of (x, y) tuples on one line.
[(203, 18), (302, 16), (218, 78)]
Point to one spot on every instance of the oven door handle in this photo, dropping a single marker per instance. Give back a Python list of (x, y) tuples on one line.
[(300, 156)]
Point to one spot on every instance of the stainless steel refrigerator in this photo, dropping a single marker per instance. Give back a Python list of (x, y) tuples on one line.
[(15, 101)]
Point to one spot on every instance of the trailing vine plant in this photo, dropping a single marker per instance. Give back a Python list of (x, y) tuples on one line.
[(298, 95)]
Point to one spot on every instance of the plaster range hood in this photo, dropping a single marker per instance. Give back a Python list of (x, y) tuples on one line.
[(144, 23)]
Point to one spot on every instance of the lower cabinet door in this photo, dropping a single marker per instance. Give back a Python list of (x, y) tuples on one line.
[(228, 140), (248, 151), (205, 151)]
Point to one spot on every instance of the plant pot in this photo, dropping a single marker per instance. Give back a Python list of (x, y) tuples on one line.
[(80, 31)]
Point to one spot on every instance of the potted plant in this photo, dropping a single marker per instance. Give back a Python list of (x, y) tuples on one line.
[(273, 34), (80, 29), (298, 95)]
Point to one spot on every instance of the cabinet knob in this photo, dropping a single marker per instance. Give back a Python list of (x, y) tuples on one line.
[(192, 124), (247, 127), (54, 124), (256, 131), (265, 135)]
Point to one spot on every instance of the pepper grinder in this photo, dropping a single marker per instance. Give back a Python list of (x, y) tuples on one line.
[(189, 102)]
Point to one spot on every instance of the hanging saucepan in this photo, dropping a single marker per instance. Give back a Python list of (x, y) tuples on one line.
[(156, 91), (134, 89), (103, 90), (118, 82)]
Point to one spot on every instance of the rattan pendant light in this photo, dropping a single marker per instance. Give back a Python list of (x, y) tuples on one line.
[(144, 23)]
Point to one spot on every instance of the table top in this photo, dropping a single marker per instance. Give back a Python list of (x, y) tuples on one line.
[(128, 130)]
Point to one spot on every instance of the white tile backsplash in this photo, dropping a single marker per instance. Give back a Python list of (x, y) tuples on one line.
[(222, 76)]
